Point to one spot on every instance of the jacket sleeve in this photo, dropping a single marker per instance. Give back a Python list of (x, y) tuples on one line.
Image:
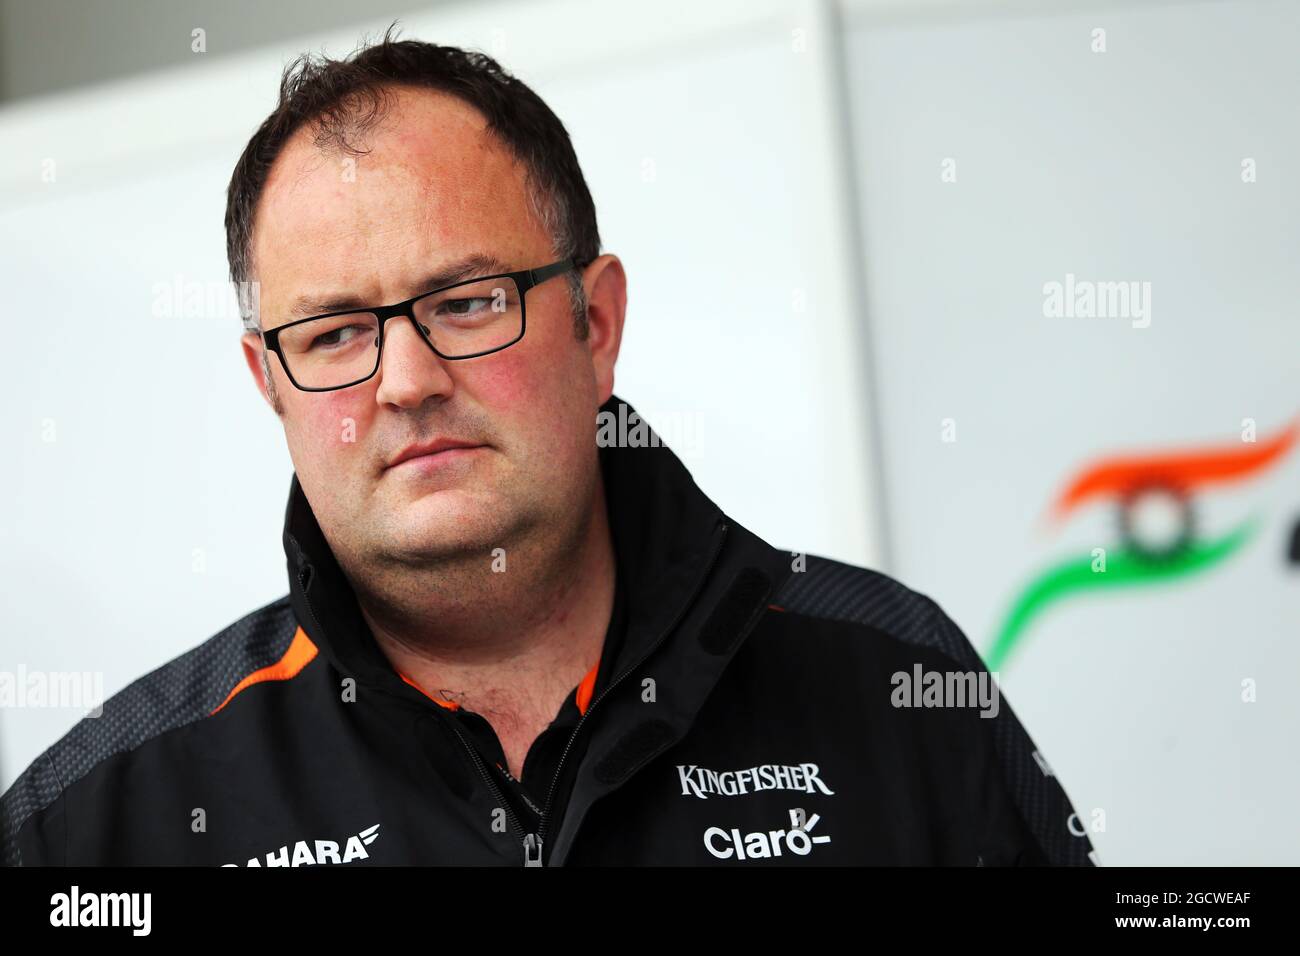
[(1004, 837), (33, 826), (1025, 815)]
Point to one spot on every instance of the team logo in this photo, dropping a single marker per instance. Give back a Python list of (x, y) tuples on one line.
[(317, 852), (766, 844), (700, 781), (1159, 538)]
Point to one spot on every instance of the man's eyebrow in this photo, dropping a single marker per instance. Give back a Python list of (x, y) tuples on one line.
[(474, 264)]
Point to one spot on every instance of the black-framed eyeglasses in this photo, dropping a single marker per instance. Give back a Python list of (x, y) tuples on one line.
[(460, 321)]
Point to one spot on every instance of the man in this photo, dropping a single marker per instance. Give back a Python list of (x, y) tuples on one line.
[(514, 634)]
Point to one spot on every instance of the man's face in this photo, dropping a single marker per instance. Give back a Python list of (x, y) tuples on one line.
[(436, 186)]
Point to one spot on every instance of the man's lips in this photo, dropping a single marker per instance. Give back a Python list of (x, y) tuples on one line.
[(427, 449)]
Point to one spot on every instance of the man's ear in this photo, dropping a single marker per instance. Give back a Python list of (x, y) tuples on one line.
[(606, 286), (252, 345)]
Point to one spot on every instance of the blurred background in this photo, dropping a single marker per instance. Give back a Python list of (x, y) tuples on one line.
[(916, 247)]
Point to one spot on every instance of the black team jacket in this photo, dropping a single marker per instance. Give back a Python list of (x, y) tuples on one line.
[(752, 706)]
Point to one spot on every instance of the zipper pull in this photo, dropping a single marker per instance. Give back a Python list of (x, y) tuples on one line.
[(532, 850)]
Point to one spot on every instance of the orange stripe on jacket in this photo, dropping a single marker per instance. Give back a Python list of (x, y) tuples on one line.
[(449, 704), (301, 652), (588, 686)]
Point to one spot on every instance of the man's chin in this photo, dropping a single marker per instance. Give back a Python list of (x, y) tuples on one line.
[(446, 523)]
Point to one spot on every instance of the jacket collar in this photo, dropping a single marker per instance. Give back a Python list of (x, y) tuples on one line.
[(670, 541)]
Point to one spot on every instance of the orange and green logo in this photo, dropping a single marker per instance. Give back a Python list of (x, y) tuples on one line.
[(1139, 486)]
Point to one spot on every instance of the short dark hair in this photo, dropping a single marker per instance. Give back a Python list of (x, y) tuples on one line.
[(349, 95)]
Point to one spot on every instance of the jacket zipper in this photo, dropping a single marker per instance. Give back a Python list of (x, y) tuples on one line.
[(546, 807), (529, 841)]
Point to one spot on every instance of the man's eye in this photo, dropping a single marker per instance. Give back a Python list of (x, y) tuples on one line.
[(465, 306), (327, 340), (475, 306)]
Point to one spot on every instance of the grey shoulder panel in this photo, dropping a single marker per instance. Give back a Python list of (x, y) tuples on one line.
[(844, 592), (183, 690)]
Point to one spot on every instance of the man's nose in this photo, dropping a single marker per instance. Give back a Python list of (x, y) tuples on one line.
[(409, 371)]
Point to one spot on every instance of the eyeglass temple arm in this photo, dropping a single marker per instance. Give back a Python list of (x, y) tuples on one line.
[(538, 276)]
